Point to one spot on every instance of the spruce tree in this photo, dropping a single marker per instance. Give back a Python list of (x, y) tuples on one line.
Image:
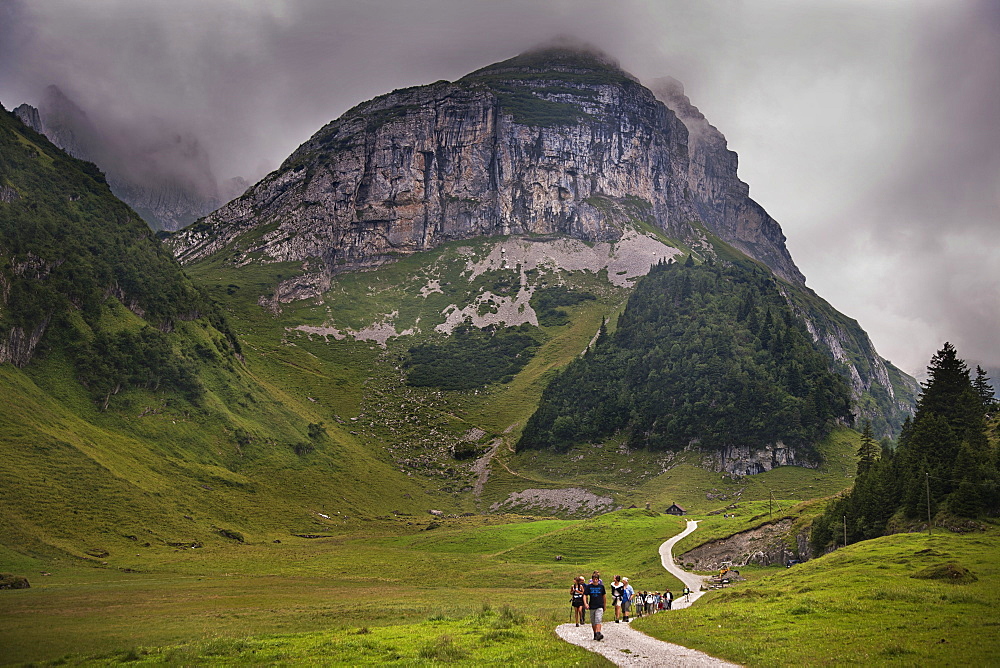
[(984, 389), (869, 451), (943, 458)]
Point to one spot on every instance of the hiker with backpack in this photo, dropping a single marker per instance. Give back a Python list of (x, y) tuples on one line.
[(627, 594)]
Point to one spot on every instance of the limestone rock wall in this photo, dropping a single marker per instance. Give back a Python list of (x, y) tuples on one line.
[(746, 460), (422, 166)]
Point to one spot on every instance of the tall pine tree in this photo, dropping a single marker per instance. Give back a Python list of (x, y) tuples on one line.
[(943, 459)]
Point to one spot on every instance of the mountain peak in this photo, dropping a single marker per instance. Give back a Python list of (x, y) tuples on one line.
[(563, 59)]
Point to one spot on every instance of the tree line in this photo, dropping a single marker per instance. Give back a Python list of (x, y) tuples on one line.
[(943, 467), (708, 354)]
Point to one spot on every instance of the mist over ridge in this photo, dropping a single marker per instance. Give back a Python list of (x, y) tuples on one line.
[(829, 108)]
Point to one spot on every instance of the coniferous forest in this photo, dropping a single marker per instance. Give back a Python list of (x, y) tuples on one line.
[(709, 354), (942, 468)]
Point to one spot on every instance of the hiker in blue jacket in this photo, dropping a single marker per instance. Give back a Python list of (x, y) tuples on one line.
[(627, 594)]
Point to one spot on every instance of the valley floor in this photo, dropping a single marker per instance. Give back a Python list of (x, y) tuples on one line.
[(471, 593)]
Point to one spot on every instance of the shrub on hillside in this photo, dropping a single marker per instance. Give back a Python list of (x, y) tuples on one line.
[(471, 357)]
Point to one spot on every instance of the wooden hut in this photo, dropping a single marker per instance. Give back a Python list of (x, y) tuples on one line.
[(674, 509)]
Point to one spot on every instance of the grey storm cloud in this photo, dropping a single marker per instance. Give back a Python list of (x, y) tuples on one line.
[(868, 130)]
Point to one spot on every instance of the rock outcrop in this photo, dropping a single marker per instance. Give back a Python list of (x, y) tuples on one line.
[(19, 345), (763, 546), (746, 460), (719, 197), (548, 142)]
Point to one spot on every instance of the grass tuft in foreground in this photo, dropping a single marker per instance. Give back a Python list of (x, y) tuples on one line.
[(489, 637)]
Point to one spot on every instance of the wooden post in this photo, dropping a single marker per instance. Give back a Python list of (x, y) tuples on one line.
[(927, 479)]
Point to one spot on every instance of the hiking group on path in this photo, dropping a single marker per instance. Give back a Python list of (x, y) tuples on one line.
[(625, 646), (592, 596)]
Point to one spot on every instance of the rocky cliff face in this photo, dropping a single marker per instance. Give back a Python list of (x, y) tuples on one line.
[(166, 177), (18, 346), (548, 142), (747, 460), (717, 194)]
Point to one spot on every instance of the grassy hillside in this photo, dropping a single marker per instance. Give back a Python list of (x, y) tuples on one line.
[(131, 418), (343, 352), (346, 351), (889, 601)]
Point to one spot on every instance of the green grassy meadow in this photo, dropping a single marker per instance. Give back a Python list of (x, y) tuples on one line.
[(488, 590), (860, 605), (400, 581)]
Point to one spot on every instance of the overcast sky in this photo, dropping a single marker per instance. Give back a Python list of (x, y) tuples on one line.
[(869, 130)]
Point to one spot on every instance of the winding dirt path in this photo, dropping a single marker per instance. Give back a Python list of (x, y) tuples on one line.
[(624, 646), (690, 580)]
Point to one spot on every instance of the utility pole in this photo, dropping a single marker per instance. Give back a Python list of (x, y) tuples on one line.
[(845, 530), (770, 500), (927, 479)]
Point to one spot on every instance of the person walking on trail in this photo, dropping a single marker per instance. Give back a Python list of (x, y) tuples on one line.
[(627, 594), (687, 594), (669, 598), (617, 590), (594, 594), (576, 599)]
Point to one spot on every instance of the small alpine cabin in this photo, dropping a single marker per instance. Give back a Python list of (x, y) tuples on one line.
[(675, 510)]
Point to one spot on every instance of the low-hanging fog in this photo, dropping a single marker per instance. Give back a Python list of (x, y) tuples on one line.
[(868, 130)]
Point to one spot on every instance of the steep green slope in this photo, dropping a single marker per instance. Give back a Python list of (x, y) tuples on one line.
[(374, 350), (68, 248), (130, 418)]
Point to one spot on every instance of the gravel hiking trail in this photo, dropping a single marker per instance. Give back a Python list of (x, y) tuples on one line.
[(624, 646)]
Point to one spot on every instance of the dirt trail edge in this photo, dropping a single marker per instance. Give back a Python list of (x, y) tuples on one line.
[(624, 646)]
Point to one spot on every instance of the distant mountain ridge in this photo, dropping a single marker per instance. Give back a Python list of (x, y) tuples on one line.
[(166, 178)]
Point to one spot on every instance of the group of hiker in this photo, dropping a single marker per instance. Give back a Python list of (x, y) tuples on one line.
[(625, 600)]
